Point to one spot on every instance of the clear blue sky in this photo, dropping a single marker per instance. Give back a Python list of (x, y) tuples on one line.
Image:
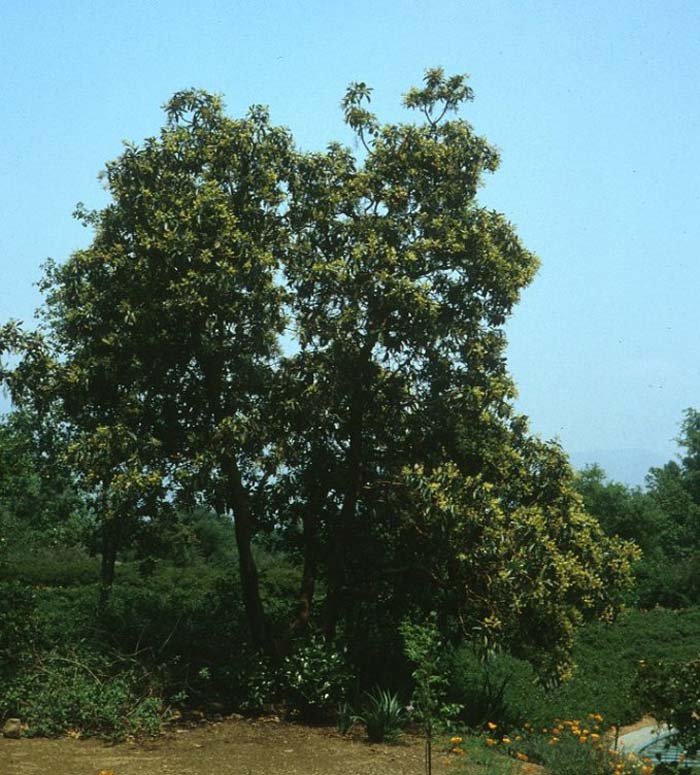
[(595, 107)]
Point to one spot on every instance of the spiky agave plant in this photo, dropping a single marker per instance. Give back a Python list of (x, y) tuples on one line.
[(384, 716)]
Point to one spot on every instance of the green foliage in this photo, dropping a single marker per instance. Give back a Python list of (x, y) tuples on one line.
[(185, 624), (83, 692), (52, 566), (507, 690), (478, 758), (424, 648), (576, 747), (671, 692), (251, 680), (39, 505), (524, 576), (345, 717), (17, 626), (491, 686), (663, 520), (383, 716), (168, 425), (315, 678)]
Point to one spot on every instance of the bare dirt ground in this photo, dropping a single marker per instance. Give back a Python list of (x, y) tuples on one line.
[(229, 747)]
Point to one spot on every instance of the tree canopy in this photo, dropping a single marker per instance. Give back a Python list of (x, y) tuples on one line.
[(313, 343)]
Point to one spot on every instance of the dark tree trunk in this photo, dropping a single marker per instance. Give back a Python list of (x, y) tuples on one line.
[(244, 523), (308, 578), (342, 530), (250, 583), (110, 547)]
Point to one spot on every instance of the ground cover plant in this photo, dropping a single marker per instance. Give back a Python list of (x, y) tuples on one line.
[(568, 747)]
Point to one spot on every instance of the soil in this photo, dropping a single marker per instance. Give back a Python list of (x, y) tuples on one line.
[(232, 746), (228, 747)]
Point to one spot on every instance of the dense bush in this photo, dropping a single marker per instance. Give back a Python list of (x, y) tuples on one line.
[(569, 747), (60, 566), (671, 690), (315, 679), (17, 604), (86, 692), (505, 689), (180, 628)]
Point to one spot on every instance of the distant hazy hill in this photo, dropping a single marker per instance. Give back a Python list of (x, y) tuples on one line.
[(628, 466)]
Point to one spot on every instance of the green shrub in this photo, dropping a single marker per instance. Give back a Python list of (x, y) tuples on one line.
[(495, 687), (345, 717), (55, 566), (571, 747), (251, 682), (315, 678), (17, 626), (505, 689), (671, 691), (85, 692), (383, 717)]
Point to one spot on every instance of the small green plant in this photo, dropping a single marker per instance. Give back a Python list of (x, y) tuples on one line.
[(384, 716), (345, 717), (254, 681), (423, 647)]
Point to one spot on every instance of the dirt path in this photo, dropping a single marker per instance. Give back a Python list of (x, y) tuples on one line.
[(231, 747)]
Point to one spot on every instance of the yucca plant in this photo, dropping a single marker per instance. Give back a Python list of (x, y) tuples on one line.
[(384, 716)]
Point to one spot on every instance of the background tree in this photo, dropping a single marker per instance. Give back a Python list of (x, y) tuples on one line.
[(663, 519), (39, 502)]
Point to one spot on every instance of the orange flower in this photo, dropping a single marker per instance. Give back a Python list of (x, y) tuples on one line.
[(491, 741), (455, 740), (506, 740), (491, 725), (521, 756)]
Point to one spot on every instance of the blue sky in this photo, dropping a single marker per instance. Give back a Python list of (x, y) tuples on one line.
[(595, 107)]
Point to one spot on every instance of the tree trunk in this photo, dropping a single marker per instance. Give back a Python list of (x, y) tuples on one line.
[(110, 546), (308, 579), (250, 584), (337, 572)]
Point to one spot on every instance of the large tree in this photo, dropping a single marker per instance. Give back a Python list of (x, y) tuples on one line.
[(388, 285), (164, 330), (401, 283)]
